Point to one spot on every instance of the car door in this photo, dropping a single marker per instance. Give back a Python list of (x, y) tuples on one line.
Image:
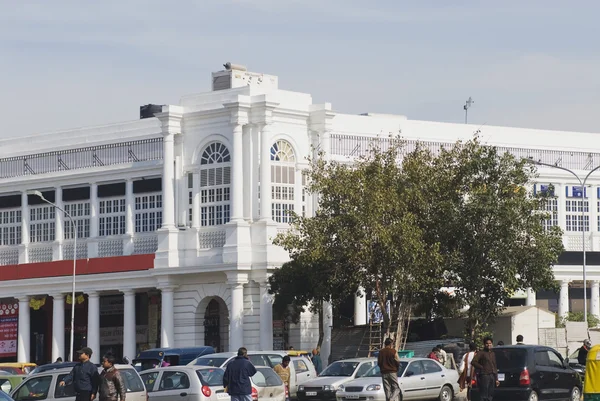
[(63, 393), (435, 377), (150, 380), (544, 375), (412, 383), (173, 385), (563, 377), (302, 371)]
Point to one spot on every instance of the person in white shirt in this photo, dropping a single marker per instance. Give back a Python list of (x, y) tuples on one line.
[(467, 370), (442, 355)]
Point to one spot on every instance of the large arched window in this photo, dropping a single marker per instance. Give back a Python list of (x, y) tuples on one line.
[(215, 180), (283, 181)]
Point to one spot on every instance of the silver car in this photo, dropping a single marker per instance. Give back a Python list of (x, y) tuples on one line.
[(44, 386), (419, 379), (334, 375), (186, 383)]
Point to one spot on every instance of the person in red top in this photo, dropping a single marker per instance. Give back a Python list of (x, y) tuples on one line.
[(433, 354), (389, 363)]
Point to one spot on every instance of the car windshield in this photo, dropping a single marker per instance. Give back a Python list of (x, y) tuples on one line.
[(208, 361), (211, 377), (375, 372), (510, 358), (340, 368)]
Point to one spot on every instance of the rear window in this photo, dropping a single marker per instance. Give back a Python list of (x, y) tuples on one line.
[(510, 358), (132, 380), (208, 361), (266, 377), (211, 377)]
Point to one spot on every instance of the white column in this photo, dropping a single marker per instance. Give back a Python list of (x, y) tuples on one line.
[(265, 173), (93, 329), (129, 208), (327, 324), (58, 326), (563, 303), (129, 344), (592, 193), (266, 318), (360, 307), (248, 154), (595, 306), (58, 216), (255, 171), (23, 249), (166, 318), (168, 185), (24, 331), (94, 221), (236, 316), (298, 190), (561, 198), (196, 200), (531, 298), (237, 175)]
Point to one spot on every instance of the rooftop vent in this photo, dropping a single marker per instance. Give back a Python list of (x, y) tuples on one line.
[(149, 110)]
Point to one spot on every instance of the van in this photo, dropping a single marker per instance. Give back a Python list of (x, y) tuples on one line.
[(160, 357)]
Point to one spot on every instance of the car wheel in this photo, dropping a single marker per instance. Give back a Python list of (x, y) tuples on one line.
[(446, 394), (533, 396), (575, 394)]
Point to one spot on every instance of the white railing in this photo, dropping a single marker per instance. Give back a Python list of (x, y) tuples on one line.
[(9, 255), (82, 249), (213, 237), (145, 243), (40, 252)]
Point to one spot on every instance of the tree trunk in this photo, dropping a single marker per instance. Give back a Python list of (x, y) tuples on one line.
[(321, 327)]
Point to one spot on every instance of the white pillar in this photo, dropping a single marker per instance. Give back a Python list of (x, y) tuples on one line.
[(266, 318), (196, 200), (327, 324), (24, 331), (168, 186), (94, 210), (237, 175), (93, 329), (58, 217), (248, 154), (24, 218), (360, 307), (129, 343), (166, 318), (298, 190), (255, 130), (595, 307), (265, 173), (563, 303), (236, 315), (129, 208), (58, 326), (559, 190), (531, 298)]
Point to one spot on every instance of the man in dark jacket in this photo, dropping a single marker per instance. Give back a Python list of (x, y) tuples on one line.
[(487, 370), (84, 376), (389, 363), (583, 351), (237, 377)]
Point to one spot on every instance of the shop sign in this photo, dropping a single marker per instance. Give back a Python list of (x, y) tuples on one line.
[(9, 322), (114, 335)]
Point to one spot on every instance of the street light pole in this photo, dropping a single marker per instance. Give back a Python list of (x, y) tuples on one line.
[(41, 196), (582, 184)]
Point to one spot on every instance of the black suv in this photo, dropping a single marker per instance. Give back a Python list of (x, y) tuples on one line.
[(532, 373)]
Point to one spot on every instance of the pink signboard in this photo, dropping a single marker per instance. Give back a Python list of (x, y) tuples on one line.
[(9, 322)]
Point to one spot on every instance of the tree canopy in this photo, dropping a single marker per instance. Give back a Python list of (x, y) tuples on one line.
[(403, 224)]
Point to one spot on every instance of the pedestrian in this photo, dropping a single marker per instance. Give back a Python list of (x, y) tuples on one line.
[(316, 360), (112, 387), (467, 369), (236, 378), (389, 363), (58, 360), (84, 376), (283, 370), (487, 375), (442, 355), (520, 340), (583, 351), (434, 354)]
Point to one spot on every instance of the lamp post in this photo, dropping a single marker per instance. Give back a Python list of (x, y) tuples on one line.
[(41, 196), (582, 184)]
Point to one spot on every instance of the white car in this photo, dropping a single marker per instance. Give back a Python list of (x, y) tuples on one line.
[(44, 386), (301, 368), (187, 383), (334, 375), (419, 379)]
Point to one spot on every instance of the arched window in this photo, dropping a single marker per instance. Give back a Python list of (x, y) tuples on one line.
[(215, 180), (283, 181)]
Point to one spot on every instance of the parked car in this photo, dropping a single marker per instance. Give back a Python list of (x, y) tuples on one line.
[(533, 372), (10, 381), (339, 372), (5, 397), (418, 378), (53, 366), (161, 357), (19, 368), (45, 386), (301, 369)]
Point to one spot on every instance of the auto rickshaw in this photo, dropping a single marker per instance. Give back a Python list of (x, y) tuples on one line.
[(591, 384)]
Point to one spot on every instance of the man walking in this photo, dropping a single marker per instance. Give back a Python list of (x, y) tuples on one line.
[(389, 363), (237, 377), (283, 370), (487, 375), (84, 376), (112, 386), (316, 360)]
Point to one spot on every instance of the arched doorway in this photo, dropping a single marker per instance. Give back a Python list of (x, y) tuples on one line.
[(212, 325)]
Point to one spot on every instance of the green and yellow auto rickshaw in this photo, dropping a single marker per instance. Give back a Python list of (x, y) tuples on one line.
[(591, 384)]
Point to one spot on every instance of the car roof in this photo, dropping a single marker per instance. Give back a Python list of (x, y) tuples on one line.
[(180, 368), (67, 369), (230, 354), (356, 360)]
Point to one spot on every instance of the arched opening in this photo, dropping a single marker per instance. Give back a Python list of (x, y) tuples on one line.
[(283, 181), (212, 324)]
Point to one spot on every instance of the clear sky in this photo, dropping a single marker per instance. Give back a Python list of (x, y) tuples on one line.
[(533, 63)]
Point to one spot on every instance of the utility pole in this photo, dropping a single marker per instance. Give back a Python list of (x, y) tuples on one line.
[(467, 106)]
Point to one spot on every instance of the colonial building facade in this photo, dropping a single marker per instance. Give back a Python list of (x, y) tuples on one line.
[(175, 216)]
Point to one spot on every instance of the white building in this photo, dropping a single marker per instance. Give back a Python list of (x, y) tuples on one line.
[(176, 215)]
